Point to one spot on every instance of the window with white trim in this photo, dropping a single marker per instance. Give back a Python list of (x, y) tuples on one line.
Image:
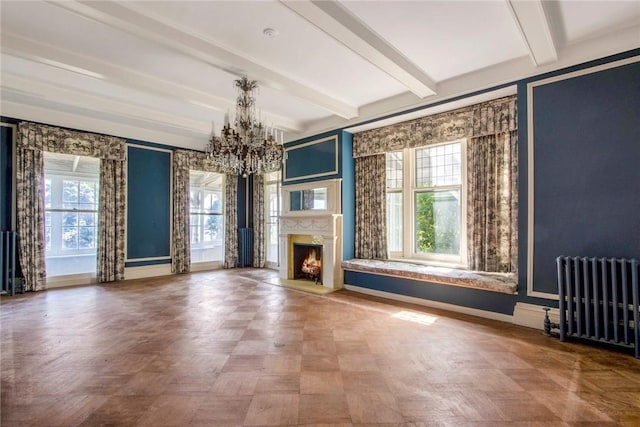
[(71, 193), (273, 207), (206, 216), (425, 203)]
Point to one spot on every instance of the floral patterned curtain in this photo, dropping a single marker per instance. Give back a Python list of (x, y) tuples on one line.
[(371, 207), (111, 220), (492, 202), (461, 123), (181, 250), (112, 153), (259, 250), (231, 221), (30, 215)]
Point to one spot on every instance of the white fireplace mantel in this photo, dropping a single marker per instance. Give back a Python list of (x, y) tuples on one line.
[(323, 229)]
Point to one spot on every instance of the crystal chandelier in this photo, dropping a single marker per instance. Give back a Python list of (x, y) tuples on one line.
[(249, 146)]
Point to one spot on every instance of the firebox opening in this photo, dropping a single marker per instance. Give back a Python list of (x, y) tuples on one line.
[(307, 262)]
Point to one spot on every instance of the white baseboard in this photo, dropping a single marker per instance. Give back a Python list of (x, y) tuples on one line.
[(435, 304), (532, 316), (71, 280), (205, 266), (145, 271)]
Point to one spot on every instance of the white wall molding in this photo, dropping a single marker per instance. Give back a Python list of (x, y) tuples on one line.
[(532, 316), (146, 271)]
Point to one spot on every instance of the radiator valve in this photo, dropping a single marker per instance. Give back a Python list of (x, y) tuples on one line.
[(548, 324)]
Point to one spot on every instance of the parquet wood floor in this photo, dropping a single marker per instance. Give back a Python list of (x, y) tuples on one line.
[(225, 348)]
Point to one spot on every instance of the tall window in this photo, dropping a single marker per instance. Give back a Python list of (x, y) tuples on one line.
[(273, 207), (206, 216), (71, 213), (425, 208)]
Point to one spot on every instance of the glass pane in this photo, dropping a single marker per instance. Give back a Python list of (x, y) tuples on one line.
[(394, 222), (87, 219), (213, 228), (70, 192), (69, 237), (437, 222), (70, 219), (86, 238), (394, 170), (47, 193), (87, 194), (439, 165)]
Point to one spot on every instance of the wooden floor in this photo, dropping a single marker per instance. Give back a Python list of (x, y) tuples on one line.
[(225, 348)]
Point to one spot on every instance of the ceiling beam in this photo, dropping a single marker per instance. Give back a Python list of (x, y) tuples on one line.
[(342, 25), (124, 17), (125, 77), (78, 99), (535, 29)]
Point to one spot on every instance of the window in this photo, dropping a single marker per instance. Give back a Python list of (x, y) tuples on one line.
[(425, 203), (206, 220), (71, 213), (273, 208)]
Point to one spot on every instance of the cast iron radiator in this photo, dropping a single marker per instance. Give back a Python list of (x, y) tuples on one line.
[(8, 261), (245, 247), (599, 300)]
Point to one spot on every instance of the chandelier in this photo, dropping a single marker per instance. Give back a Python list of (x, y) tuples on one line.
[(249, 147)]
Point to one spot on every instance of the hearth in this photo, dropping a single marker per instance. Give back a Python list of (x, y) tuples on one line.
[(307, 262)]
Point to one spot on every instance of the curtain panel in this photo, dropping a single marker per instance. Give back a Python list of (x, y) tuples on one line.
[(180, 242), (231, 219), (30, 216), (35, 138), (111, 220), (371, 207), (492, 203), (259, 249), (499, 115)]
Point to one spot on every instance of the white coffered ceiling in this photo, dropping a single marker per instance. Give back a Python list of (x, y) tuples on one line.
[(164, 71)]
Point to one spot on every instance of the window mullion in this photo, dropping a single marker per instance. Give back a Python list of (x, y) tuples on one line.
[(407, 201)]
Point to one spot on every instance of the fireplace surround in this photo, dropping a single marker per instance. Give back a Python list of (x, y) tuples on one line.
[(318, 227)]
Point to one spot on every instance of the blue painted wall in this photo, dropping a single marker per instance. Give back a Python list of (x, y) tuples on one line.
[(465, 297), (587, 173), (6, 176), (148, 205), (347, 169), (316, 158)]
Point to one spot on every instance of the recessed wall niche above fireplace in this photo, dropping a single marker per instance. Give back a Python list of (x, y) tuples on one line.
[(311, 233)]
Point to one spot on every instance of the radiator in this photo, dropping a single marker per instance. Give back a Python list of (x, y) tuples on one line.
[(8, 261), (599, 300), (245, 247)]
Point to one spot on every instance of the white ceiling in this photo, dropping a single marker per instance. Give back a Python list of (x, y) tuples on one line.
[(164, 71)]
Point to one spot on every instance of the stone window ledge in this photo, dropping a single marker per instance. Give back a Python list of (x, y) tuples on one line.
[(496, 282)]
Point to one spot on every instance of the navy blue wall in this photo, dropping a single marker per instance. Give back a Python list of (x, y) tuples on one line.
[(148, 205), (465, 297), (586, 169), (6, 176), (347, 168)]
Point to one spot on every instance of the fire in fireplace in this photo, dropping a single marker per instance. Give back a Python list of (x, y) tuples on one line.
[(307, 261)]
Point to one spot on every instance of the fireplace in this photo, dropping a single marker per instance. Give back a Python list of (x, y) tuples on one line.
[(307, 262), (313, 234)]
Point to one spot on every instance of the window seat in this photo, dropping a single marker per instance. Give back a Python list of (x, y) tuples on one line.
[(496, 282)]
